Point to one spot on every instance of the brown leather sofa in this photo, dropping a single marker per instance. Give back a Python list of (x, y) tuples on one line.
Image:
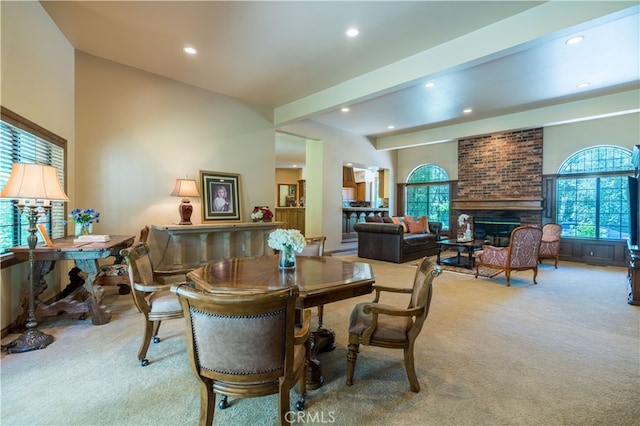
[(389, 242)]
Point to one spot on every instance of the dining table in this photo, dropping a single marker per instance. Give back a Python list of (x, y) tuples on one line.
[(320, 280)]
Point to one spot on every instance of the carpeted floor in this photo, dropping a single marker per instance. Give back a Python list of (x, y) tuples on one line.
[(563, 352)]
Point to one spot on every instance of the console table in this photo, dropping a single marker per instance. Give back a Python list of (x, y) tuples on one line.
[(190, 246), (86, 255)]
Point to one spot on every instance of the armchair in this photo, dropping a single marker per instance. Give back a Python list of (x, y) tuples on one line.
[(522, 253), (550, 244), (152, 297), (245, 345), (377, 324)]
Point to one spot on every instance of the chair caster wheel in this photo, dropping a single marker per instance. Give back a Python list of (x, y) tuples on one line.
[(300, 405), (223, 403), (144, 362), (156, 340)]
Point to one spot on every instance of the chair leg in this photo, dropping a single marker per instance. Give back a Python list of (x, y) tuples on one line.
[(410, 367), (207, 402), (535, 274), (146, 340), (156, 328), (352, 356), (507, 273), (283, 402), (556, 263)]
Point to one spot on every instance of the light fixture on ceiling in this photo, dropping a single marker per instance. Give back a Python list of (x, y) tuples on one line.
[(352, 32), (185, 188), (574, 40), (391, 127), (429, 84), (467, 110), (345, 109), (36, 183), (190, 50), (583, 85)]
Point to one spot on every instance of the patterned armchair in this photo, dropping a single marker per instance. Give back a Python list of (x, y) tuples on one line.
[(550, 244), (522, 253)]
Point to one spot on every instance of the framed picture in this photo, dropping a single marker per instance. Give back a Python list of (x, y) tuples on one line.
[(45, 235), (220, 196)]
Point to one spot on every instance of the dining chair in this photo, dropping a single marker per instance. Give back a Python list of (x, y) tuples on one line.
[(117, 273), (315, 247), (151, 295), (550, 243), (245, 345), (520, 255), (377, 324)]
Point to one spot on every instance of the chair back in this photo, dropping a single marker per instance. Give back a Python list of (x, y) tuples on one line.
[(314, 247), (422, 292), (140, 273), (240, 337), (551, 232), (524, 247)]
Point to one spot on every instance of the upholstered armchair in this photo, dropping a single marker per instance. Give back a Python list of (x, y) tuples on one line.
[(151, 296), (550, 243), (522, 253), (245, 345), (377, 324)]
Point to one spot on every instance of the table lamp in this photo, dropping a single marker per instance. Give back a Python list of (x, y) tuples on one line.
[(37, 183), (185, 188)]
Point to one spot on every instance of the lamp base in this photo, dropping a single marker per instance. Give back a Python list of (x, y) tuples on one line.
[(30, 340), (185, 210)]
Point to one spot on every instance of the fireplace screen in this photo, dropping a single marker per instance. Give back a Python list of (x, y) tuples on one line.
[(495, 230)]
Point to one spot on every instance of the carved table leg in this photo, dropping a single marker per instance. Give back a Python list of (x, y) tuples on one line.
[(99, 313), (322, 340)]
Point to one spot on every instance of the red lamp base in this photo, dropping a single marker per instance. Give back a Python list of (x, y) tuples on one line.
[(185, 210)]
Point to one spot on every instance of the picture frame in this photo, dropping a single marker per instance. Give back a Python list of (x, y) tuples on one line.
[(220, 196), (44, 234)]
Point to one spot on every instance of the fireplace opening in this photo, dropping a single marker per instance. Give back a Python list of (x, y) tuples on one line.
[(495, 230)]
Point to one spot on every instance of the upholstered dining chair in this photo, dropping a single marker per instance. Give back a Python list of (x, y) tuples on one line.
[(245, 345), (151, 296), (117, 273), (315, 247), (522, 253), (550, 243), (377, 324)]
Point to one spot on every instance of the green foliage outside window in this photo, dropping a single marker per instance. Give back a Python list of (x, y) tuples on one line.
[(427, 194)]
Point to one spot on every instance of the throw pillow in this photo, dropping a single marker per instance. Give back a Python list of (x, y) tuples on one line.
[(387, 219), (400, 221), (415, 227), (374, 218)]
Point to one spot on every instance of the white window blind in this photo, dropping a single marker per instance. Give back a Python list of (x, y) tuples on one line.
[(24, 142)]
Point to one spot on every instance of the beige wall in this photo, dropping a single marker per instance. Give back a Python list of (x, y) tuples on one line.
[(559, 143), (37, 82)]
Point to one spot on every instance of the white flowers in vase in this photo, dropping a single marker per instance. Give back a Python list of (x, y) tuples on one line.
[(280, 239)]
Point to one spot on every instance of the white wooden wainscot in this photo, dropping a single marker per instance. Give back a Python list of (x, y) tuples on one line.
[(189, 246)]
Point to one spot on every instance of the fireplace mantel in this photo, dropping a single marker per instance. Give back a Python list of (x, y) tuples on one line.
[(519, 204)]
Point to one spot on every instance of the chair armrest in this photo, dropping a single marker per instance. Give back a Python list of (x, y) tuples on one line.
[(168, 273), (302, 334), (378, 308), (380, 288), (494, 248), (152, 288)]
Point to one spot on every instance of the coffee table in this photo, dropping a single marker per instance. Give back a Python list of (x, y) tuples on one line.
[(468, 247)]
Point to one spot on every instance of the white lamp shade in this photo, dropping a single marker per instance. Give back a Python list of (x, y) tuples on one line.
[(185, 188), (34, 181)]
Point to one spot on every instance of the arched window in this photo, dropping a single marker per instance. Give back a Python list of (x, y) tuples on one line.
[(427, 193), (593, 193)]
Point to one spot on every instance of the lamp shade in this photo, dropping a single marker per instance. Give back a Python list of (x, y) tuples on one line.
[(185, 188), (34, 181)]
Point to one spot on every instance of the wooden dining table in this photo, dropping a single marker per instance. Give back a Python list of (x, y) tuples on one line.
[(320, 280)]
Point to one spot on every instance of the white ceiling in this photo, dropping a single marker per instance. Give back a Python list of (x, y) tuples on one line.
[(293, 59)]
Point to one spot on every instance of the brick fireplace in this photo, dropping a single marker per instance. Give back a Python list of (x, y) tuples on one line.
[(500, 176)]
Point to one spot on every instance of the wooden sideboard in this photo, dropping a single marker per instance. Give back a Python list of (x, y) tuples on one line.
[(293, 217), (190, 246)]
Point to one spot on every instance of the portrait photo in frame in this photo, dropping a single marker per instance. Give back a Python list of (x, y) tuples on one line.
[(220, 196)]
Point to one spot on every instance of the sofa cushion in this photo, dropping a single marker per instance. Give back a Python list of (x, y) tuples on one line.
[(400, 221), (374, 218), (415, 226), (387, 219)]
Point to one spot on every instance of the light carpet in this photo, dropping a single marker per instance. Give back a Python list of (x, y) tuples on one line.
[(563, 352)]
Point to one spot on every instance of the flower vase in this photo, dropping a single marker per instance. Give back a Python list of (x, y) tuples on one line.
[(287, 258), (83, 230)]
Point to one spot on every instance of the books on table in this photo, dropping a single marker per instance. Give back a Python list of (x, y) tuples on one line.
[(92, 238)]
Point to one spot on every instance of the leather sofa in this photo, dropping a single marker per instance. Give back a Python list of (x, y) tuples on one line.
[(389, 242)]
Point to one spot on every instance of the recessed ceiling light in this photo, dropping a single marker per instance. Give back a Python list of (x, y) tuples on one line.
[(467, 110), (345, 109), (391, 126), (349, 164), (352, 32), (583, 85), (190, 50), (429, 85), (575, 40)]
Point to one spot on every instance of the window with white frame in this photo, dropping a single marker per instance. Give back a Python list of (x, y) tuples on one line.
[(593, 193), (22, 141), (427, 194)]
